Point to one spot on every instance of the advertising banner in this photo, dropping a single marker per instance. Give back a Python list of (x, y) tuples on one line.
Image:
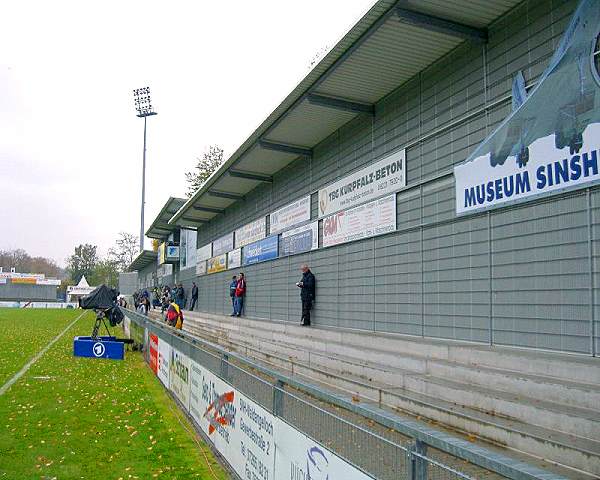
[(217, 264), (241, 430), (154, 353), (368, 220), (163, 362), (234, 259), (201, 268), (551, 140), (2, 280), (260, 251), (48, 281), (385, 176), (250, 232), (204, 253), (164, 270), (290, 215), (298, 240), (179, 377), (187, 250), (222, 245), (299, 457), (30, 281), (37, 276)]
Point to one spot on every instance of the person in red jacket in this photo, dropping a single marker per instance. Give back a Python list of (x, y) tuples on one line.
[(240, 292)]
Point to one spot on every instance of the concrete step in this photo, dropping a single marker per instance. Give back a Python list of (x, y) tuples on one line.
[(565, 418), (568, 367), (541, 442), (552, 389)]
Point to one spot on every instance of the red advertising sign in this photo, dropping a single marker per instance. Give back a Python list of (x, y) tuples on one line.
[(154, 353)]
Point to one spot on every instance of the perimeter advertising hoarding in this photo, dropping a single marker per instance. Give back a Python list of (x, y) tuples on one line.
[(299, 457), (154, 353), (369, 220), (163, 363), (250, 232), (298, 240), (385, 176), (260, 251), (204, 253), (241, 430), (234, 258), (217, 264), (201, 268), (222, 245), (179, 377), (290, 215), (551, 140)]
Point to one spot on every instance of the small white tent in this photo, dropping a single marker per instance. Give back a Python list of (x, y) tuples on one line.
[(74, 292)]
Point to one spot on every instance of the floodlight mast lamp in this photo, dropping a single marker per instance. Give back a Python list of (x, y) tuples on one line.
[(143, 106)]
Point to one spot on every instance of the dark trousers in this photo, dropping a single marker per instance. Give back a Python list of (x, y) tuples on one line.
[(306, 307), (194, 300)]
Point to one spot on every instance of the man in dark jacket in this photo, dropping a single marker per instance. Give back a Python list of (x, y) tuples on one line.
[(194, 295), (307, 293)]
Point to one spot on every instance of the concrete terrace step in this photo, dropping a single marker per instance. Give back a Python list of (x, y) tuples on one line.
[(541, 442), (459, 395), (552, 389), (569, 419)]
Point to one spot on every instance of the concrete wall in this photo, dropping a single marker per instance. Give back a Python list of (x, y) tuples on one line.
[(516, 276), (25, 292)]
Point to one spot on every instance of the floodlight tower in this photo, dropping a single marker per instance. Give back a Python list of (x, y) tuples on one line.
[(143, 106)]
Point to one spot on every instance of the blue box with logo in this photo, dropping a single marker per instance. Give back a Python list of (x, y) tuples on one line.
[(101, 347)]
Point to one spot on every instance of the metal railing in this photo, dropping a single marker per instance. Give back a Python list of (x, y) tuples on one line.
[(378, 443)]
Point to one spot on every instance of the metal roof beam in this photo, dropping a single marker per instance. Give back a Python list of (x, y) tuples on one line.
[(195, 220), (259, 177), (340, 103), (208, 209), (441, 25), (228, 195), (282, 147)]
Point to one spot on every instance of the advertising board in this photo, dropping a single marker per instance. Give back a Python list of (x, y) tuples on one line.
[(293, 214), (217, 264), (251, 232), (260, 251), (300, 239)]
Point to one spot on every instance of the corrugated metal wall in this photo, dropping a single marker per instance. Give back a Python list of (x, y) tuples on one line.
[(25, 292), (524, 276)]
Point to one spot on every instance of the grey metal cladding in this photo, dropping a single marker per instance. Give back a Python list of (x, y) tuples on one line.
[(525, 276)]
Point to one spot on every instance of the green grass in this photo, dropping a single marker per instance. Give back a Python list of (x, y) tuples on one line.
[(23, 334), (80, 418)]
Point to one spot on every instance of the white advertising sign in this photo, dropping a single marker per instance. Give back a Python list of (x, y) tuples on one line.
[(164, 360), (234, 259), (48, 281), (369, 220), (240, 429), (299, 457), (179, 376), (250, 232), (222, 245), (3, 280), (386, 176), (201, 268), (204, 253), (164, 270), (290, 215)]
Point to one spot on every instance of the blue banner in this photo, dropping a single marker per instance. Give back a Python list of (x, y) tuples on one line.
[(298, 240), (260, 251)]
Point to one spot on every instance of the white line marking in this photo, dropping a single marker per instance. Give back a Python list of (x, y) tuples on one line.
[(28, 365)]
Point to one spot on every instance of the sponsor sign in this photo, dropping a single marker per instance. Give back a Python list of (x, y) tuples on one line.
[(290, 215), (298, 240), (385, 176), (12, 274), (187, 250), (217, 264), (48, 281), (234, 258), (204, 253), (172, 252), (164, 362), (260, 251), (551, 140), (369, 220), (179, 376), (2, 280), (250, 232), (30, 281), (201, 268), (300, 457), (154, 353), (222, 245), (241, 430), (164, 270)]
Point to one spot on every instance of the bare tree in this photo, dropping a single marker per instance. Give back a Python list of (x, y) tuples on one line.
[(211, 160), (125, 249)]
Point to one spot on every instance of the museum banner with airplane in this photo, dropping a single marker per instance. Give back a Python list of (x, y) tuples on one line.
[(551, 140)]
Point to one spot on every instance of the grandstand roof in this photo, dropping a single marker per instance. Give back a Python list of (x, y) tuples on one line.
[(144, 258), (160, 228)]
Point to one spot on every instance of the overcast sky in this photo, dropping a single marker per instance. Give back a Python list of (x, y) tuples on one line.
[(70, 143)]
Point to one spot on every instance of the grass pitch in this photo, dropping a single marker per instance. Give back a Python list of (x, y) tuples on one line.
[(81, 418)]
